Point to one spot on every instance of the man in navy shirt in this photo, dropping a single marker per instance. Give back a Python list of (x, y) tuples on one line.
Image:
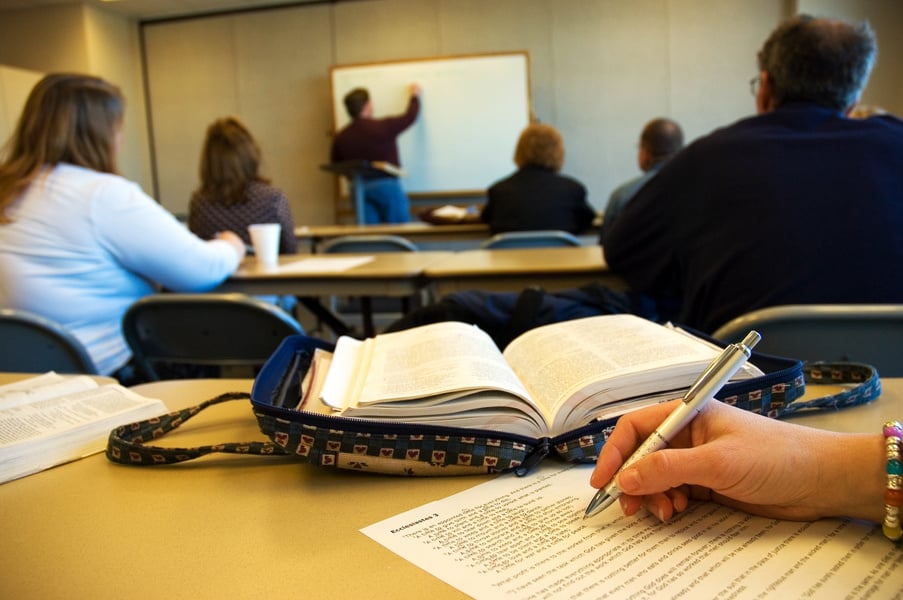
[(796, 205)]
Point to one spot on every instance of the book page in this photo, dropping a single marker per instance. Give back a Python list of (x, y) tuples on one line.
[(48, 431), (425, 361), (323, 264), (52, 416), (525, 538), (608, 358), (41, 387)]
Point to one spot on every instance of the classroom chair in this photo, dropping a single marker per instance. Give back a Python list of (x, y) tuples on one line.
[(867, 333), (546, 238), (35, 344), (371, 308), (234, 333)]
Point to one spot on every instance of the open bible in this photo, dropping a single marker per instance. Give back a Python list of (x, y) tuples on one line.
[(548, 381), (51, 419)]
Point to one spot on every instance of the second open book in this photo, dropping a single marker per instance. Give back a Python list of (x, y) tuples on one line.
[(550, 380)]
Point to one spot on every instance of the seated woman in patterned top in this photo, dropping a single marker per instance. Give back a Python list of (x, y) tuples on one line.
[(233, 194)]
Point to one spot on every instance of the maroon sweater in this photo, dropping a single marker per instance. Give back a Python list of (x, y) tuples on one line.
[(374, 139)]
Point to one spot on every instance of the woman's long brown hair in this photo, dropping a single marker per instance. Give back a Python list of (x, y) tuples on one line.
[(68, 118)]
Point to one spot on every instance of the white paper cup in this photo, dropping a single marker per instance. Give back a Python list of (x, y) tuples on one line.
[(265, 239)]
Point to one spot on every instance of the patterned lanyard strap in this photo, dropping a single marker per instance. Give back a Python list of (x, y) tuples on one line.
[(863, 381), (126, 444)]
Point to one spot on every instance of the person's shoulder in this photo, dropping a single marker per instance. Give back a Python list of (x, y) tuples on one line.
[(738, 128), (261, 192), (345, 131), (630, 185), (571, 181), (206, 206), (77, 173), (722, 140), (263, 187), (97, 183), (505, 181), (885, 124)]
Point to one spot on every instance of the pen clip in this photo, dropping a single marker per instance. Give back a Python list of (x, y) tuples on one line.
[(716, 367)]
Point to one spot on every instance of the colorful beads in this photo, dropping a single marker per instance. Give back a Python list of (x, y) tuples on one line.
[(893, 496)]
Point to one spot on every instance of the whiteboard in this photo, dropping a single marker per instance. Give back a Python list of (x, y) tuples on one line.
[(473, 108)]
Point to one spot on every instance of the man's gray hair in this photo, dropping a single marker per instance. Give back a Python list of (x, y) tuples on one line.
[(819, 60)]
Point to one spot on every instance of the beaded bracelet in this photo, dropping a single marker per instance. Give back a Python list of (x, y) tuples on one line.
[(893, 496)]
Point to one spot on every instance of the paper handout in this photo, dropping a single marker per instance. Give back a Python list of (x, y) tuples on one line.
[(526, 538)]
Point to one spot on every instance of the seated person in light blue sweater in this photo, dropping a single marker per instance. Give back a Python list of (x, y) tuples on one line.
[(78, 243), (660, 140)]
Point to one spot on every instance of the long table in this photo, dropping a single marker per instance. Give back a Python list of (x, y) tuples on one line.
[(235, 526), (512, 270), (406, 273), (397, 274), (385, 274)]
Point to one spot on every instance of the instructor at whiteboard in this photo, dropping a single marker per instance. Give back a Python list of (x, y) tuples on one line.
[(366, 138)]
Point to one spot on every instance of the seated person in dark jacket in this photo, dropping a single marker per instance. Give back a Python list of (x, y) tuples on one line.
[(799, 204), (660, 140), (537, 196)]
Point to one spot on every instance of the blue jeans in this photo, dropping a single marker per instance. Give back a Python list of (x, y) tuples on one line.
[(385, 201)]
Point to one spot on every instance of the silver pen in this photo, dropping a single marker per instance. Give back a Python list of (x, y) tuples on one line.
[(704, 389)]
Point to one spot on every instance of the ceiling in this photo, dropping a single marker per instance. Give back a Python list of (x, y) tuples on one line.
[(157, 9)]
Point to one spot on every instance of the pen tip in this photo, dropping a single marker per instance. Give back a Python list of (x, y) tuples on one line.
[(598, 504)]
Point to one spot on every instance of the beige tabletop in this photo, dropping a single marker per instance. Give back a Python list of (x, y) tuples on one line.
[(514, 269), (234, 526)]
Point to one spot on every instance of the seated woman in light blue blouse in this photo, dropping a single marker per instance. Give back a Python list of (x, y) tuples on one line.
[(79, 243)]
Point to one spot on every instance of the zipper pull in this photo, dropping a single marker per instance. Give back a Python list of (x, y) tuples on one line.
[(533, 458)]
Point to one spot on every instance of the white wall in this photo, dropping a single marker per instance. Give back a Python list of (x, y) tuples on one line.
[(15, 85), (269, 69), (599, 70), (113, 52), (83, 39)]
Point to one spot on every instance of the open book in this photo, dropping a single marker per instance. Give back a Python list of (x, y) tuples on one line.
[(51, 419), (549, 381)]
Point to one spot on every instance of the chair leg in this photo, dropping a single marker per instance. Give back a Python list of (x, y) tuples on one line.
[(324, 314), (367, 315)]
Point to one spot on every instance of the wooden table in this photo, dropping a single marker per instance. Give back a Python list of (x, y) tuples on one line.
[(234, 526), (515, 269), (387, 274), (396, 274)]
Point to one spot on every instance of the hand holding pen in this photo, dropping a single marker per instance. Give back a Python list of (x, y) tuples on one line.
[(706, 386)]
